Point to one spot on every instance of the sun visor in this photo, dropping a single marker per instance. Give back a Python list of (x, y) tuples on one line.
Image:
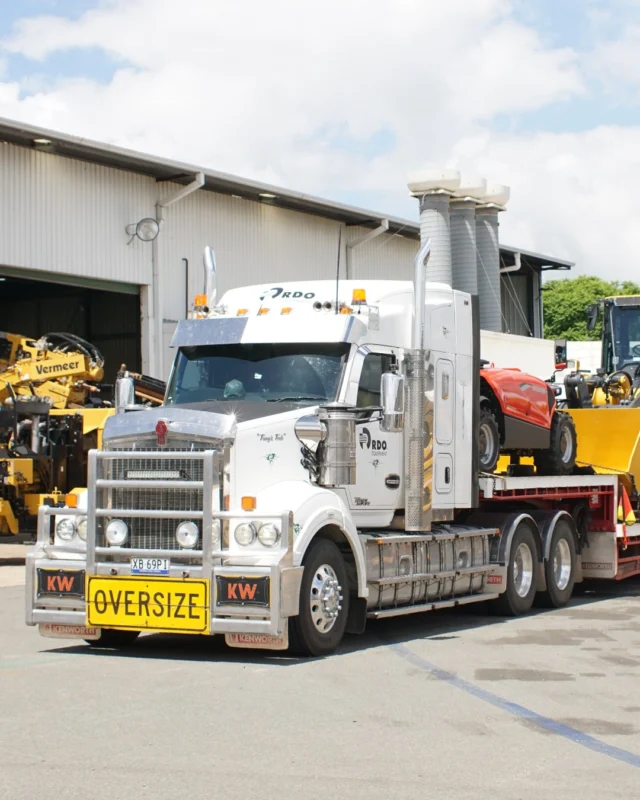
[(217, 330), (310, 327)]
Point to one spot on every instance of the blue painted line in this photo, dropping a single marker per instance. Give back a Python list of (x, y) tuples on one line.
[(546, 723)]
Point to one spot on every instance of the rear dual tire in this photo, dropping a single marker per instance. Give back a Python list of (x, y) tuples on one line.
[(522, 569), (559, 568), (520, 593)]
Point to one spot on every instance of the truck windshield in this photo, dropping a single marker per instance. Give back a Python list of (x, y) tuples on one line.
[(622, 337), (301, 373)]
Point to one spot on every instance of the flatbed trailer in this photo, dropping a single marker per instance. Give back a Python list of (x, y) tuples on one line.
[(610, 549)]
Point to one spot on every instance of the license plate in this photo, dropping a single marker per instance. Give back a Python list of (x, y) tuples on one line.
[(150, 566), (257, 641), (157, 604), (240, 590), (61, 582), (68, 631)]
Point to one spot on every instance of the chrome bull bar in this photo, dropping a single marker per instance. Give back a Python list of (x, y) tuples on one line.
[(206, 563)]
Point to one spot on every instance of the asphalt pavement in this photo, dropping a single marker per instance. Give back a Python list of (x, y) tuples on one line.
[(443, 705)]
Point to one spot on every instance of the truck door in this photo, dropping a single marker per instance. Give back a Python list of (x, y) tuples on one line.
[(378, 455), (444, 426)]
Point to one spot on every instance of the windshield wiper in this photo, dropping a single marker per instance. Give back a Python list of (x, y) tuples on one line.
[(295, 398)]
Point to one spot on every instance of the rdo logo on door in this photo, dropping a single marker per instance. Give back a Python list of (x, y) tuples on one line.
[(377, 446)]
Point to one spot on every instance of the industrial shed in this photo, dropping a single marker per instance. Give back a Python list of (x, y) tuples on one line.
[(70, 259)]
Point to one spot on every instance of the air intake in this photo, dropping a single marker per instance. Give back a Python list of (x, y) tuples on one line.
[(434, 188), (462, 213), (488, 257)]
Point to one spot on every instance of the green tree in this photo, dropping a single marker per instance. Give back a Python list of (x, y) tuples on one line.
[(565, 303)]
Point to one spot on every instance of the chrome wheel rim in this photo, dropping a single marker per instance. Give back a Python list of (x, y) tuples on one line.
[(326, 598), (485, 443), (562, 564), (523, 570), (566, 446)]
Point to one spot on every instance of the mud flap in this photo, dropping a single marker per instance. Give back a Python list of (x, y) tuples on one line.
[(258, 641)]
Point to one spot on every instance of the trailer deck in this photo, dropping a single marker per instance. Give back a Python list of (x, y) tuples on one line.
[(611, 548)]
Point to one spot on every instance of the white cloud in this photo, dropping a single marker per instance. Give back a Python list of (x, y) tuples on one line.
[(616, 62), (573, 194), (262, 89)]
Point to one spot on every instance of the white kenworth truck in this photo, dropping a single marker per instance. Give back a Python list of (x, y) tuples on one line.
[(314, 465)]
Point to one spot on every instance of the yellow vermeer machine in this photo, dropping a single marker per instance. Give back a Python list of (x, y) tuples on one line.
[(52, 413), (606, 407)]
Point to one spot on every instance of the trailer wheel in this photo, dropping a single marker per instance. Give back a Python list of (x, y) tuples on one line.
[(324, 602), (559, 568), (521, 574), (560, 458), (114, 638), (488, 441)]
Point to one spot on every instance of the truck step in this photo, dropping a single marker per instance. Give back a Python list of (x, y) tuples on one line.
[(425, 576), (433, 606)]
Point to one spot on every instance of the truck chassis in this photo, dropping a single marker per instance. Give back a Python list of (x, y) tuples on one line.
[(531, 540)]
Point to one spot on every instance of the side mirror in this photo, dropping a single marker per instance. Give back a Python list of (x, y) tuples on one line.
[(392, 401), (592, 316)]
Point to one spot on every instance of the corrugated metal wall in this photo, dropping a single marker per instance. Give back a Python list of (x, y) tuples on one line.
[(67, 216), (257, 242), (516, 305)]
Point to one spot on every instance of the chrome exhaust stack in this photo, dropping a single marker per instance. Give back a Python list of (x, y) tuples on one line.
[(418, 443), (210, 277)]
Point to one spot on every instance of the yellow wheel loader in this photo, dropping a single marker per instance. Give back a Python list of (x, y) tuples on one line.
[(606, 406)]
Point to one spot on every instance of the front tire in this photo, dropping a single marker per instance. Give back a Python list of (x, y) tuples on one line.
[(560, 458), (114, 638), (324, 602), (559, 568), (521, 574)]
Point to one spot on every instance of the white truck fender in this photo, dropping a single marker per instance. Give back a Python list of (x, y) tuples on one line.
[(313, 508)]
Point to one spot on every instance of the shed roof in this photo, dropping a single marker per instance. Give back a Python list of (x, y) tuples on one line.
[(163, 169)]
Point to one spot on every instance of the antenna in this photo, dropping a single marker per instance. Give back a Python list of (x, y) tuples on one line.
[(338, 267)]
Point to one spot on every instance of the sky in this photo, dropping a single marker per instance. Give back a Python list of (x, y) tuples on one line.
[(345, 99)]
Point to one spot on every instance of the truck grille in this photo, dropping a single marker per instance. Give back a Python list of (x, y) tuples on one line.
[(151, 534)]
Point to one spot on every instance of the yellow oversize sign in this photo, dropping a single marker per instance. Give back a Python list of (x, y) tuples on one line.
[(141, 603)]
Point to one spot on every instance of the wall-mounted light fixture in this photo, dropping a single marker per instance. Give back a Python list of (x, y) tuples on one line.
[(146, 230)]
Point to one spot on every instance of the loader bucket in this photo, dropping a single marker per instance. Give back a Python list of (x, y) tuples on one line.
[(609, 439)]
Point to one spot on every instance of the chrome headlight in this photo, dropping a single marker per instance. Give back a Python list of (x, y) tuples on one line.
[(268, 534), (187, 534), (245, 533), (66, 529), (82, 528), (117, 532)]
